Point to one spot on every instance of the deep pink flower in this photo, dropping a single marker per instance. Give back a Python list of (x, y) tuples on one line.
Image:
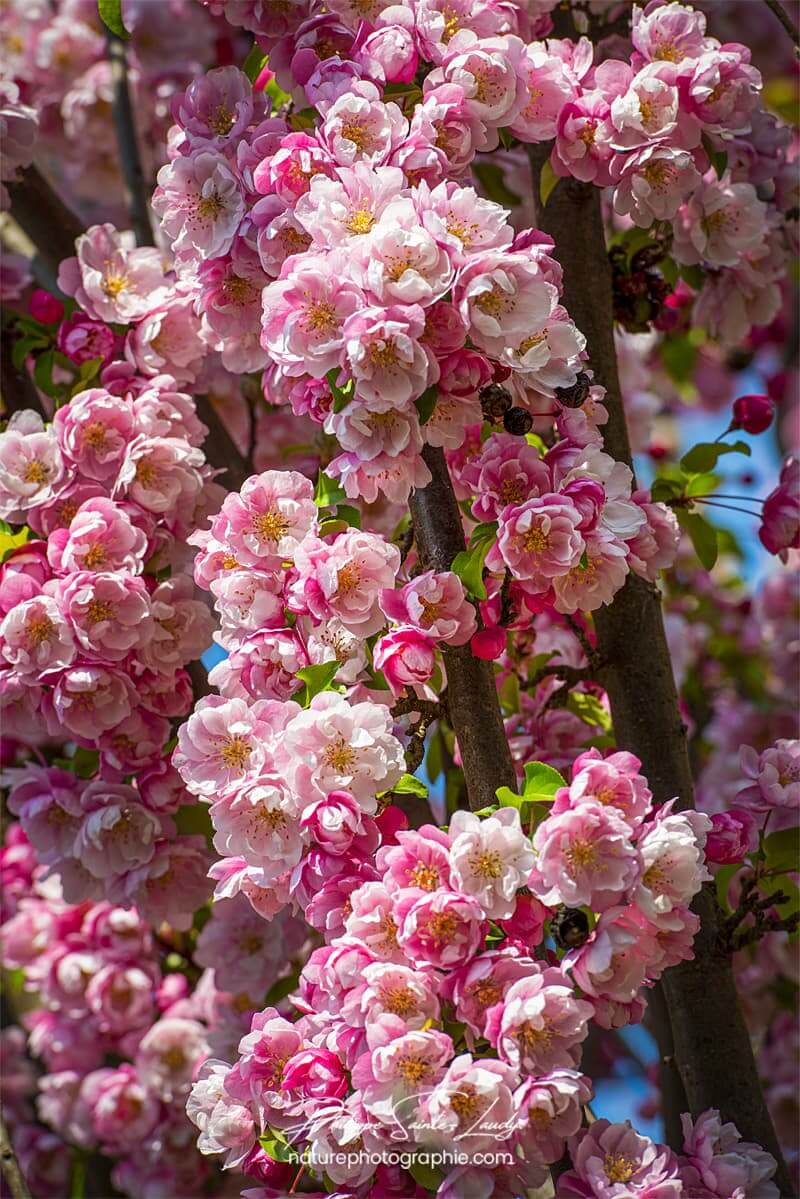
[(442, 929), (406, 657), (83, 339), (611, 1160), (584, 856), (732, 836), (780, 519)]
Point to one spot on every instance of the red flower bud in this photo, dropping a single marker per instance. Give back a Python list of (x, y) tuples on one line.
[(753, 413), (489, 643), (44, 307)]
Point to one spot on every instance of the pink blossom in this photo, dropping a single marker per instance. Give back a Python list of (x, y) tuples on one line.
[(731, 837), (654, 547), (265, 522), (584, 856), (539, 1024), (216, 108), (406, 657), (539, 540), (613, 781), (35, 637), (289, 171), (418, 861), (671, 848), (343, 210), (304, 312), (584, 138), (615, 961), (31, 465), (334, 821), (120, 997), (653, 182), (161, 474), (168, 340), (488, 71), (388, 362), (503, 298), (548, 1110), (392, 1000), (200, 204), (81, 339), (550, 85), (48, 803), (223, 743), (588, 586), (316, 1074), (394, 1077), (404, 264), (173, 884), (119, 1109), (391, 52), (260, 823), (169, 1055), (722, 1161), (359, 127), (436, 604), (345, 579), (89, 700), (607, 1157), (370, 434), (507, 471), (101, 536), (482, 983), (109, 613), (669, 32), (490, 859), (442, 929), (387, 476), (780, 519), (93, 431), (719, 224), (110, 278), (775, 776), (470, 1106), (118, 833), (462, 221), (248, 600), (723, 88)]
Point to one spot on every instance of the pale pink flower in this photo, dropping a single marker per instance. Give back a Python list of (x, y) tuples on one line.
[(370, 434), (780, 518), (403, 263), (247, 600), (488, 69), (119, 1109), (503, 298), (719, 224), (260, 823), (406, 657), (334, 821), (169, 1055), (386, 358), (342, 210), (100, 537), (671, 846), (723, 89), (584, 140), (336, 746), (539, 1024), (289, 171), (548, 1110), (304, 312), (173, 884), (121, 998), (36, 639), (371, 922), (441, 929), (418, 861), (223, 743), (264, 523), (614, 782), (615, 961), (93, 431), (90, 700), (443, 121), (490, 859), (31, 465), (655, 546), (392, 477), (391, 52), (774, 775), (584, 856), (118, 833), (507, 471), (606, 1158), (591, 583), (359, 127), (549, 85), (482, 983), (653, 182), (215, 109), (200, 203), (395, 1077), (169, 340), (263, 666), (182, 626), (538, 540), (111, 279), (462, 221), (723, 1161), (669, 32), (647, 109), (393, 999), (436, 604), (109, 613), (345, 579), (18, 129), (471, 1106), (162, 474), (161, 410), (48, 803), (548, 357)]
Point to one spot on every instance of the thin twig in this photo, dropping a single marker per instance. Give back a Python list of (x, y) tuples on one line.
[(130, 159), (780, 12), (10, 1167)]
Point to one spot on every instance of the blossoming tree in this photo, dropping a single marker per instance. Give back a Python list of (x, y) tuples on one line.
[(332, 332)]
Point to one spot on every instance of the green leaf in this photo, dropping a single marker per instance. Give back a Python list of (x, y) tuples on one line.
[(316, 679), (23, 346), (782, 850), (9, 542), (43, 374), (277, 95), (279, 1151), (492, 181), (194, 818), (722, 881), (468, 565), (717, 158), (589, 709), (434, 756), (425, 1176), (348, 513), (702, 484), (409, 784), (667, 489), (255, 62), (541, 783), (507, 138), (703, 457), (679, 357), (703, 536), (341, 395), (280, 989), (508, 798), (547, 181), (426, 403), (110, 12), (328, 491)]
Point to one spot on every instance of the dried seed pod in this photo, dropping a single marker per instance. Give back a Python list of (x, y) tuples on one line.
[(495, 401), (517, 421), (573, 397), (569, 927)]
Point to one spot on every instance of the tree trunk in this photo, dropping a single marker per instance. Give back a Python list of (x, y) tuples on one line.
[(713, 1052)]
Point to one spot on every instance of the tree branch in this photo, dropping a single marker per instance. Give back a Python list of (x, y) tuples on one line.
[(51, 226), (473, 708), (130, 159), (10, 1167), (780, 12), (220, 448), (712, 1046)]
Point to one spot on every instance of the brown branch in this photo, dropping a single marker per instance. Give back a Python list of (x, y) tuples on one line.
[(17, 388), (127, 141), (473, 707), (712, 1046), (10, 1167), (220, 448), (780, 12), (51, 226)]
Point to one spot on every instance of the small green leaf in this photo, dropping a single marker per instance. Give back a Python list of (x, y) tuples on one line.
[(9, 542), (316, 679), (589, 708), (328, 491), (667, 489), (468, 565), (492, 181), (782, 850), (43, 374), (194, 818), (425, 1176), (255, 62), (547, 182), (679, 357), (110, 12), (717, 158), (703, 457), (507, 138), (24, 346), (722, 881), (541, 783), (277, 95), (703, 536), (426, 404), (508, 798), (702, 484), (348, 513), (280, 989), (279, 1151), (409, 784)]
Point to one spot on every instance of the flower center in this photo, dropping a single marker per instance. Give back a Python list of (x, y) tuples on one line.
[(618, 1167), (361, 220), (270, 526), (113, 284), (400, 1001), (40, 629), (424, 876), (465, 1103), (413, 1069), (511, 491), (234, 752), (98, 610), (94, 435), (95, 556), (209, 208), (36, 472), (580, 855), (221, 120), (441, 927), (357, 133), (238, 290), (587, 134), (531, 1037), (536, 541), (146, 473), (383, 353), (320, 317), (348, 578), (339, 756), (487, 864), (486, 993)]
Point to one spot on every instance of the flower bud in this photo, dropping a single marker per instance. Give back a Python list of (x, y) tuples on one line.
[(44, 307), (489, 643), (753, 413)]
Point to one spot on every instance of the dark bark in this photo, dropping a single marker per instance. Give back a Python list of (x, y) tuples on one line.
[(15, 1180), (17, 388), (51, 226), (713, 1052), (673, 1095), (471, 692), (220, 449), (130, 158)]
